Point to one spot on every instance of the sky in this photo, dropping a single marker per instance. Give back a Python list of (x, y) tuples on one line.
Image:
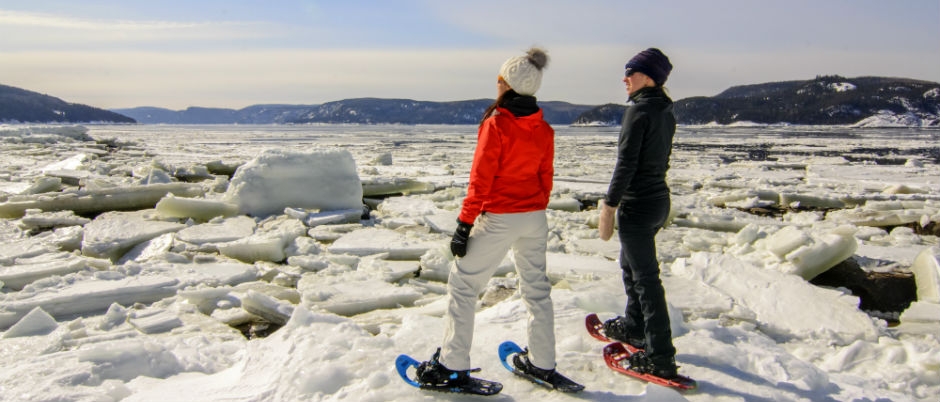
[(233, 54)]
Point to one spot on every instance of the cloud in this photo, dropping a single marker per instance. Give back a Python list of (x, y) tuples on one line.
[(236, 78), (26, 31)]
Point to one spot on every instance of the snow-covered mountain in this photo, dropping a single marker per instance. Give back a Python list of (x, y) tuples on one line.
[(22, 106), (825, 100), (867, 101), (347, 111)]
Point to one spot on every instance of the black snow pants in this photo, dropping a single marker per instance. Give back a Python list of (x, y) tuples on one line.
[(646, 312)]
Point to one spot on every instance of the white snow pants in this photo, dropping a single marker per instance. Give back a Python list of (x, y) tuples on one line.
[(492, 237)]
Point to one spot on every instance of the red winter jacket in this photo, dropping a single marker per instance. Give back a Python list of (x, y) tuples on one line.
[(512, 166)]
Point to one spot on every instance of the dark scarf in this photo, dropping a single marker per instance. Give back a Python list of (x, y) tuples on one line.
[(519, 105)]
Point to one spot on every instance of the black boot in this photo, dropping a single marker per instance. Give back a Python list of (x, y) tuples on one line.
[(660, 367), (550, 377), (434, 373), (618, 330)]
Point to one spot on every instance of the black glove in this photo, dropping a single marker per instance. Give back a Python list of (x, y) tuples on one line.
[(458, 245)]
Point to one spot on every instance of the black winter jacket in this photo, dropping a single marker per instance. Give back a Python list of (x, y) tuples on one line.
[(643, 148)]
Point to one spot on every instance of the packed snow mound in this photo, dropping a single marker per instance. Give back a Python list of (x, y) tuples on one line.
[(324, 179)]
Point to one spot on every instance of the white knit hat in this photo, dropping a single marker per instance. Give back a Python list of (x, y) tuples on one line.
[(524, 73)]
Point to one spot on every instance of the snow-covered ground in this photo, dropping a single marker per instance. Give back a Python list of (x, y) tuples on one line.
[(145, 296)]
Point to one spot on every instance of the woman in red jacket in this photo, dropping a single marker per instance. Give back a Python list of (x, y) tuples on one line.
[(510, 183)]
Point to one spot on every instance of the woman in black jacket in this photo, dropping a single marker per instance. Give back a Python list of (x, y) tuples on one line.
[(639, 196)]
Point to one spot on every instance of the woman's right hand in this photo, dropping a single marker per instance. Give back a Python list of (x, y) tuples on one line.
[(605, 224)]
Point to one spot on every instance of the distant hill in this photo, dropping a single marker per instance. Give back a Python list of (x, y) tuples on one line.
[(22, 106), (825, 100), (348, 111)]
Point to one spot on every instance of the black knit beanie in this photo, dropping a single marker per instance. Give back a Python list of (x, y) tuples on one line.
[(651, 62)]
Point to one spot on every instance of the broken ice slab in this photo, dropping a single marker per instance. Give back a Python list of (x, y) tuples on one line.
[(394, 185), (821, 252), (91, 296), (267, 307), (37, 219), (70, 176), (314, 219), (28, 270), (370, 241), (25, 248), (155, 321), (218, 230), (388, 270), (268, 243), (36, 322), (564, 204), (351, 297), (113, 234), (920, 318), (444, 222), (196, 208), (93, 202), (561, 266), (43, 185), (810, 201)]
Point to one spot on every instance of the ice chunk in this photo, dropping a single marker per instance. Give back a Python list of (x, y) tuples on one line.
[(66, 239), (209, 273), (130, 359), (786, 240), (315, 219), (355, 297), (926, 269), (408, 206), (324, 179), (810, 201), (112, 234), (824, 252), (43, 185), (786, 306), (196, 208), (394, 185), (92, 202), (922, 311), (218, 230), (28, 270), (155, 321), (71, 163), (920, 318), (808, 254), (269, 243), (376, 240), (36, 322), (572, 267), (565, 204), (388, 270), (37, 219), (25, 248), (267, 307), (91, 296), (444, 222), (309, 263)]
